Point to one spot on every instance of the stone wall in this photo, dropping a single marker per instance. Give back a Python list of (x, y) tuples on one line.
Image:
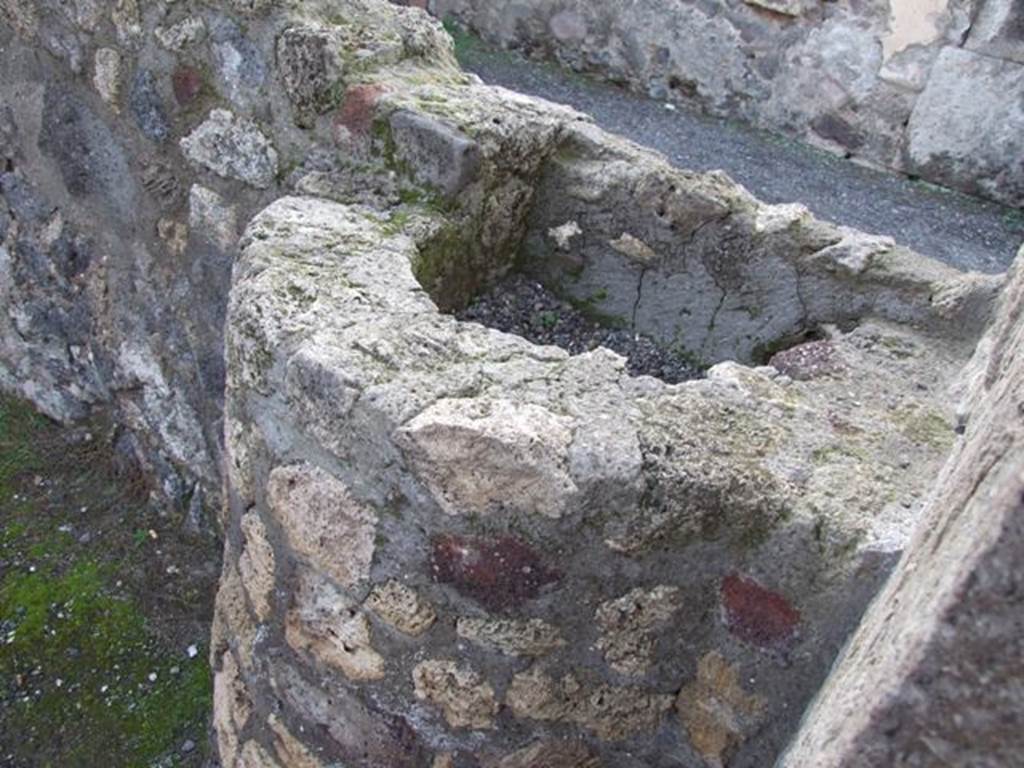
[(939, 681), (920, 86), (450, 547), (444, 545)]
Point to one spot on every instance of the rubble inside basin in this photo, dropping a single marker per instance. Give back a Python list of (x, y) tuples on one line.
[(524, 307)]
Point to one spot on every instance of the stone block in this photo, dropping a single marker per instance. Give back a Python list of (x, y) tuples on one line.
[(965, 132)]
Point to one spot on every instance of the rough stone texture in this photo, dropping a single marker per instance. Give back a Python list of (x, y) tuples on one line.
[(402, 607), (232, 148), (611, 713), (256, 565), (937, 681), (754, 513), (627, 624), (845, 76), (768, 506), (107, 77), (466, 699), (325, 625), (479, 458), (715, 710), (964, 128), (441, 156), (325, 525), (531, 637)]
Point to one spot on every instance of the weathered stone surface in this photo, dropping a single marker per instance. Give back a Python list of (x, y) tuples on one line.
[(824, 74), (256, 564), (231, 707), (211, 218), (438, 154), (465, 698), (183, 34), (324, 623), (232, 147), (499, 574), (611, 713), (107, 75), (964, 131), (402, 607), (774, 502), (479, 457), (289, 750), (309, 66), (325, 525), (628, 623), (996, 31), (240, 65), (715, 710), (932, 674), (530, 637), (808, 361)]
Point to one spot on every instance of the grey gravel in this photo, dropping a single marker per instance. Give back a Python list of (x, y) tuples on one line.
[(523, 307), (966, 232)]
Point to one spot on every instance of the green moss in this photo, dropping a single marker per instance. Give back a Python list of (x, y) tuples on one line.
[(588, 308), (76, 648), (839, 452), (17, 454), (444, 270), (82, 664), (925, 426), (464, 41)]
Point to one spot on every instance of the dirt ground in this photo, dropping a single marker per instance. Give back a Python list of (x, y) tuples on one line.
[(105, 607)]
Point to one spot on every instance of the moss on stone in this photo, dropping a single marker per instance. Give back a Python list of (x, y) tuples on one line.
[(925, 426)]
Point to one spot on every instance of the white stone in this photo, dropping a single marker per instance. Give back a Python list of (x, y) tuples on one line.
[(234, 148)]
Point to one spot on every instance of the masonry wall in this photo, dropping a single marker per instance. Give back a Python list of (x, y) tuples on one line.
[(938, 683), (919, 86)]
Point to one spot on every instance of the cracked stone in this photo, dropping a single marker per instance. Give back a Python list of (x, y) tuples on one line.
[(330, 627)]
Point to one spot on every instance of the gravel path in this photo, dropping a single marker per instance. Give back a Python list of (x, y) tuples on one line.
[(964, 231)]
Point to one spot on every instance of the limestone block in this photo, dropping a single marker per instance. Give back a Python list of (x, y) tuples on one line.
[(529, 637), (478, 456), (309, 68), (716, 712), (330, 627), (402, 607), (324, 524), (232, 147), (465, 698), (965, 132), (183, 34), (438, 154), (612, 713), (627, 626), (107, 75), (256, 564)]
